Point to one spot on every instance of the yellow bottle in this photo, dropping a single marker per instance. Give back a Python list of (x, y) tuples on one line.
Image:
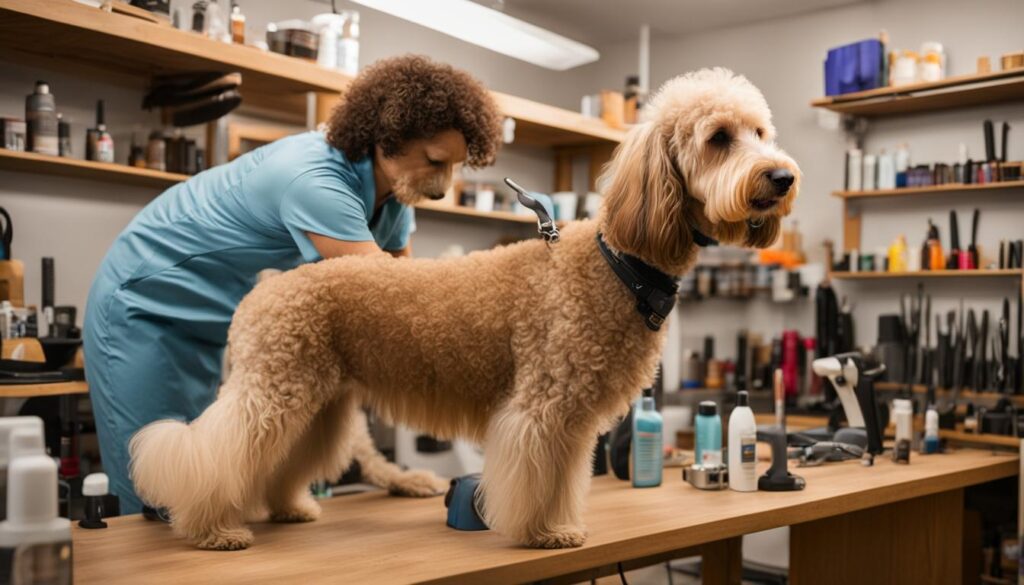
[(898, 255)]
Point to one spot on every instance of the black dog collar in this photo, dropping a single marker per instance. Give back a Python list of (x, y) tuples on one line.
[(654, 290)]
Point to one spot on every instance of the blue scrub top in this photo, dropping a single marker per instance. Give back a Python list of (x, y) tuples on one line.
[(194, 252)]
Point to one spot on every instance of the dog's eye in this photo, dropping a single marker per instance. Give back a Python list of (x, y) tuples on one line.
[(720, 138), (760, 132)]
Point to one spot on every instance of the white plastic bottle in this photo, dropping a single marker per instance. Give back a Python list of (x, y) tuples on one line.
[(35, 543), (742, 446)]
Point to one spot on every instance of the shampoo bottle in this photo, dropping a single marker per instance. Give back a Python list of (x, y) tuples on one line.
[(41, 119), (931, 431), (647, 459), (99, 146), (742, 446), (708, 451), (35, 543)]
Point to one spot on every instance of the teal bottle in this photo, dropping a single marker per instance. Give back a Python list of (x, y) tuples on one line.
[(708, 451), (647, 458)]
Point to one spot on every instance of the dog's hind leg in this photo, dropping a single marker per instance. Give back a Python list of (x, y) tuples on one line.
[(210, 473), (536, 474), (323, 452)]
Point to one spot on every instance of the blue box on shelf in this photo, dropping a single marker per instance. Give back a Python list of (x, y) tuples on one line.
[(855, 67)]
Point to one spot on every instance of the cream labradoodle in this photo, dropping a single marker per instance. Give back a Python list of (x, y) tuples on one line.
[(529, 349)]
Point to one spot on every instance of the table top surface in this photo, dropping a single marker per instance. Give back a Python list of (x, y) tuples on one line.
[(380, 539)]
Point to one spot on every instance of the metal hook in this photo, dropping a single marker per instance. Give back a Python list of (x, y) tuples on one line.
[(545, 225)]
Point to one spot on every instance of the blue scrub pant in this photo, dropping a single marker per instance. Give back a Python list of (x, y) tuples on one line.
[(141, 368)]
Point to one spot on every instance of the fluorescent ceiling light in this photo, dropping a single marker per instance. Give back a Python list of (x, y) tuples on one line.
[(491, 29)]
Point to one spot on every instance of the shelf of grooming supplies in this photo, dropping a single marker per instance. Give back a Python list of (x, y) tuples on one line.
[(469, 212), (993, 273), (935, 189), (36, 390), (965, 394), (952, 92), (41, 164), (92, 41), (799, 423)]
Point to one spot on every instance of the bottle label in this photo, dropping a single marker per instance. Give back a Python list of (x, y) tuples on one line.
[(647, 459), (748, 449), (711, 458), (42, 132), (105, 150)]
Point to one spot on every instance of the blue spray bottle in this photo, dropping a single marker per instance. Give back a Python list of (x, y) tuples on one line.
[(647, 459)]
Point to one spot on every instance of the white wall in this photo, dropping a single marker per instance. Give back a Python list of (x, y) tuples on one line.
[(784, 58), (76, 220)]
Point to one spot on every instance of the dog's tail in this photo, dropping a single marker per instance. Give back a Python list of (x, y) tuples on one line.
[(194, 466)]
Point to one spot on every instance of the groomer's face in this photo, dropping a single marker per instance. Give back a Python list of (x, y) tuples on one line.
[(424, 168)]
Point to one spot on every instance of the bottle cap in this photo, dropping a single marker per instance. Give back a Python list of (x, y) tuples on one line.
[(7, 427), (42, 87), (96, 484), (742, 398), (707, 408)]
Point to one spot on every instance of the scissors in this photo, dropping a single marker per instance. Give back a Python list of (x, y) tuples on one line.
[(6, 235)]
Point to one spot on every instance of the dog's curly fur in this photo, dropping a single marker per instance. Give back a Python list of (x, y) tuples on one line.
[(531, 350)]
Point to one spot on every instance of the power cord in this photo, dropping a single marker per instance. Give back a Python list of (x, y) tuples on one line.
[(622, 575)]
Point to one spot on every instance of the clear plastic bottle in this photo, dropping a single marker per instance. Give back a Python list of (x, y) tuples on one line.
[(217, 22)]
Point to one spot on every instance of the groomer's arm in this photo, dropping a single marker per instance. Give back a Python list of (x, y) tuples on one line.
[(331, 248)]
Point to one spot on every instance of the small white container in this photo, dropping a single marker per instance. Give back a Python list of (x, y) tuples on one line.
[(565, 205), (485, 198), (592, 204)]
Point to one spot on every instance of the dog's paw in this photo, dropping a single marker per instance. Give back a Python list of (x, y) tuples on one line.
[(557, 537), (229, 539), (417, 484), (304, 509)]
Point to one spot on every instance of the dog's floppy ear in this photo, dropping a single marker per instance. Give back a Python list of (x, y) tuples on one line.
[(643, 206)]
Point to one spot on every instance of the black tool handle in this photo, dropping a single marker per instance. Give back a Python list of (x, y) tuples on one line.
[(990, 142), (1006, 136), (47, 282)]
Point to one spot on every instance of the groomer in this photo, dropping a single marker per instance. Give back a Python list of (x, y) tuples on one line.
[(158, 312)]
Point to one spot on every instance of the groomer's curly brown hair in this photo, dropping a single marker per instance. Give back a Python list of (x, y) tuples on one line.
[(410, 97)]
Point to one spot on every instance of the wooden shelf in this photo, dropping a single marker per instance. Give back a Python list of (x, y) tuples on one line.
[(1011, 272), (36, 390), (953, 92), (543, 125), (85, 37), (951, 188), (944, 392), (30, 162)]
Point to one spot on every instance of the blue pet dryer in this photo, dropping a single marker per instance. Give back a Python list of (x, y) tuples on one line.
[(462, 503)]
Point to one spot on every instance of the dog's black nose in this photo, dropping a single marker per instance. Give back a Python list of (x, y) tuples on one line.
[(782, 180)]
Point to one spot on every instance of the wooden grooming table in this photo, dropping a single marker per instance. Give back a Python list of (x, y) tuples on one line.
[(885, 524)]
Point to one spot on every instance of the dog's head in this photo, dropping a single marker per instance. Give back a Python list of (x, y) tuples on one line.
[(704, 159)]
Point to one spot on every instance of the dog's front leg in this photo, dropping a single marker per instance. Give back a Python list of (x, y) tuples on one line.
[(537, 463)]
